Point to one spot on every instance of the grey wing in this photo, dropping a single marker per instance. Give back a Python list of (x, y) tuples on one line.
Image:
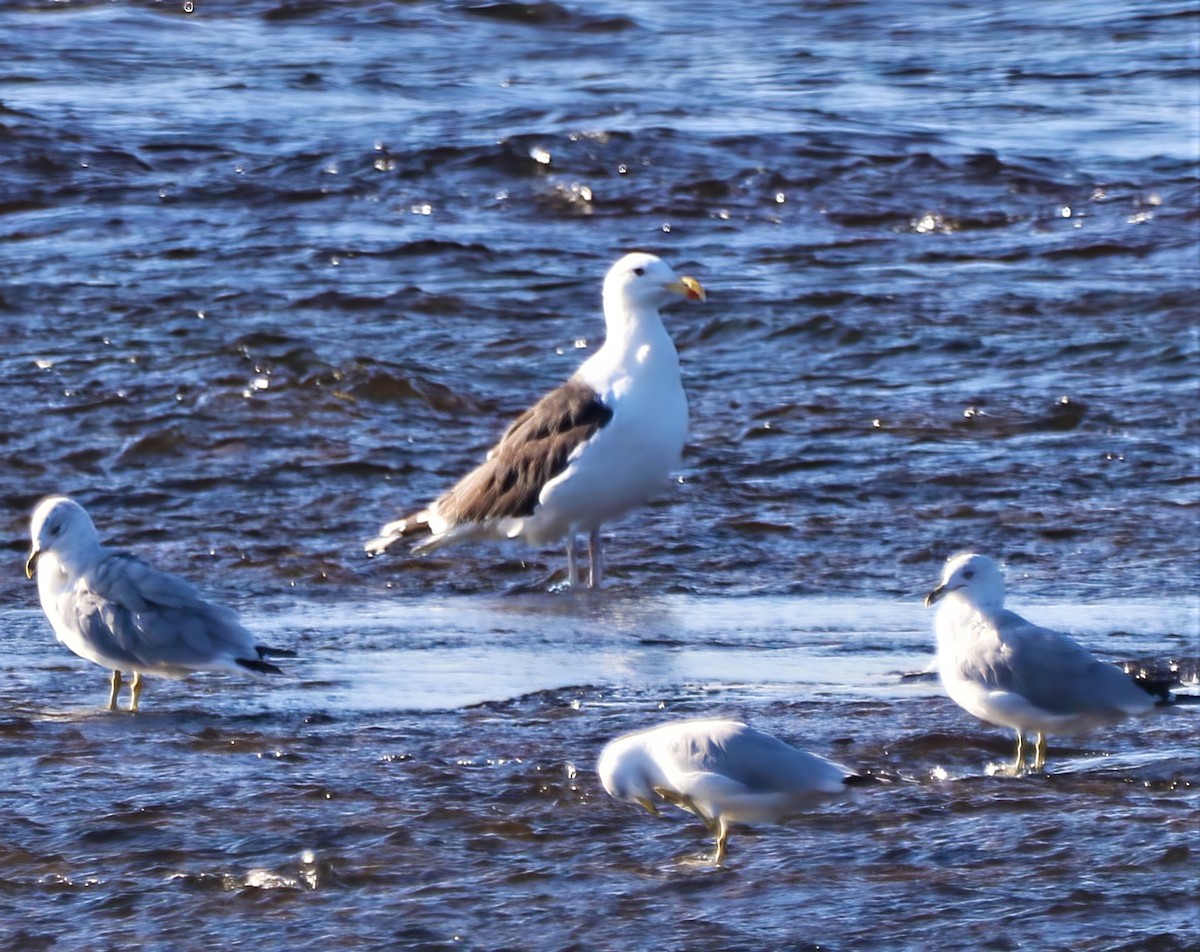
[(1059, 675), (103, 625), (765, 764), (159, 619)]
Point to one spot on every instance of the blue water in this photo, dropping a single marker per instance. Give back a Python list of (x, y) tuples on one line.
[(276, 272)]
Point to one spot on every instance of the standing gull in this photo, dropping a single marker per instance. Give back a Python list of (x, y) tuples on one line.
[(1009, 672), (589, 451), (113, 609), (720, 770)]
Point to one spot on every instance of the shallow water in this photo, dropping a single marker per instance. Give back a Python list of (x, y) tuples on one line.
[(276, 271), (423, 776)]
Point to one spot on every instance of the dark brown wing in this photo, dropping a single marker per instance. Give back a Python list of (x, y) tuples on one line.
[(532, 452)]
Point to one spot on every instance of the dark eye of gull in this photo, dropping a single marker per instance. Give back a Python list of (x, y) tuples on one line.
[(969, 574), (639, 271)]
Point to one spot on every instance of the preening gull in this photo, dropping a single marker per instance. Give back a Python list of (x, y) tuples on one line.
[(589, 451), (113, 609), (720, 770), (1009, 672)]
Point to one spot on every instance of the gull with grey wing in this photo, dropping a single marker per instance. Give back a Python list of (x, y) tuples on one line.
[(114, 610)]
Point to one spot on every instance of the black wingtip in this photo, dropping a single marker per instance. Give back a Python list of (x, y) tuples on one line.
[(1159, 676), (870, 777), (260, 667)]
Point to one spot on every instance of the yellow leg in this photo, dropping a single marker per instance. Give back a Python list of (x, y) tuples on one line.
[(708, 821), (1039, 752), (112, 694), (1021, 753), (684, 802), (135, 691), (673, 798), (722, 839), (649, 806)]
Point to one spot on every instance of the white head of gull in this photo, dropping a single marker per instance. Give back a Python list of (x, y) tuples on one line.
[(1012, 673), (589, 451)]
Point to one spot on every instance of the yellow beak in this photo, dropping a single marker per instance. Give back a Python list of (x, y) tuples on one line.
[(688, 287), (31, 562)]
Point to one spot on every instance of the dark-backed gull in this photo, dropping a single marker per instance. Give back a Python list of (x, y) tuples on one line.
[(589, 451)]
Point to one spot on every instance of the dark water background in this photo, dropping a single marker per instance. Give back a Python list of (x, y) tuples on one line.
[(273, 272)]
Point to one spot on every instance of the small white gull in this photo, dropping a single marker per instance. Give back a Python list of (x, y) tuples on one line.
[(589, 451), (720, 770), (1012, 673), (114, 610)]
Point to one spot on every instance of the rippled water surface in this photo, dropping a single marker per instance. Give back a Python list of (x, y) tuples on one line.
[(275, 271)]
